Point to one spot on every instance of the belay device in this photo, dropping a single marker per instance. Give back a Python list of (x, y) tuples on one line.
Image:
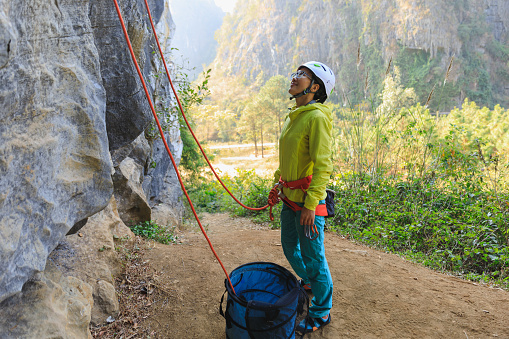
[(267, 302)]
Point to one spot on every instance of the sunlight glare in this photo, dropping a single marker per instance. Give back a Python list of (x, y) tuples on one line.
[(226, 5)]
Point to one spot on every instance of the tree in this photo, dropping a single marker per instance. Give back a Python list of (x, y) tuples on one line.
[(250, 123), (274, 98)]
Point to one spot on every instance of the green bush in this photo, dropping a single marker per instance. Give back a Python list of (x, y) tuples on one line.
[(151, 230), (250, 189), (465, 233)]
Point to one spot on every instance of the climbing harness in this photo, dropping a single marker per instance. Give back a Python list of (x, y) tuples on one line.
[(303, 184), (326, 210)]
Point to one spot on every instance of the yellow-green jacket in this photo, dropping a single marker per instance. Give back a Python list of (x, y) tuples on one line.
[(304, 150)]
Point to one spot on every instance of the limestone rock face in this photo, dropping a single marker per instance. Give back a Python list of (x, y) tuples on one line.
[(55, 168), (133, 206), (165, 192), (270, 37), (161, 171), (128, 112), (50, 306), (91, 257), (497, 15), (68, 95)]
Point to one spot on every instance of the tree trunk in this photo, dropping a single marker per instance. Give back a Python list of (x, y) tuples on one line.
[(256, 145), (261, 129)]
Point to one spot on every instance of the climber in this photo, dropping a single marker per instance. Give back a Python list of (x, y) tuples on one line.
[(304, 170)]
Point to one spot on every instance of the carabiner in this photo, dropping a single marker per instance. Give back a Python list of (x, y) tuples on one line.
[(311, 232)]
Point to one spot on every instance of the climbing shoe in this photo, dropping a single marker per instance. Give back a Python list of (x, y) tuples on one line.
[(306, 287), (309, 324)]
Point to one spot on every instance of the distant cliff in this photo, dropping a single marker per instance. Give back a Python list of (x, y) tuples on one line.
[(196, 22), (274, 36)]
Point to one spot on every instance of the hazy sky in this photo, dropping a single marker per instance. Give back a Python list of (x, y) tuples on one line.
[(226, 5)]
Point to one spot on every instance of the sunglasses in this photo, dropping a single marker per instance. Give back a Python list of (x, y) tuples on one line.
[(300, 74)]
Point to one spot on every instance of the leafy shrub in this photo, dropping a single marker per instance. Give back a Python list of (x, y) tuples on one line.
[(151, 230), (249, 188)]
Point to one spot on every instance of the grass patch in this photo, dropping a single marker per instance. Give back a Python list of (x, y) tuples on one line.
[(151, 230)]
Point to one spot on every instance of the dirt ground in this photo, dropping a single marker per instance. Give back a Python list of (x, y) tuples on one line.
[(376, 295)]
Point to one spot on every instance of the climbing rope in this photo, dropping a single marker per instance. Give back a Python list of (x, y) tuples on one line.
[(191, 130), (162, 134)]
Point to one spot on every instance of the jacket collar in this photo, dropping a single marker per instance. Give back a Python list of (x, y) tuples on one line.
[(295, 111)]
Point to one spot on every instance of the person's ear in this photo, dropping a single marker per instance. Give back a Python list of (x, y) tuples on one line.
[(315, 88)]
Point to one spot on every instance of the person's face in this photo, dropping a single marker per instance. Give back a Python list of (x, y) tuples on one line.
[(300, 81)]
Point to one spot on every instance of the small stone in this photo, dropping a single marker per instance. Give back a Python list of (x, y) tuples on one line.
[(80, 235), (110, 319)]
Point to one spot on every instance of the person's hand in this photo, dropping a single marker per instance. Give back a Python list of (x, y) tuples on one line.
[(307, 216)]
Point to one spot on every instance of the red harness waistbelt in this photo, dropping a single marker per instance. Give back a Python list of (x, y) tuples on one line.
[(302, 184)]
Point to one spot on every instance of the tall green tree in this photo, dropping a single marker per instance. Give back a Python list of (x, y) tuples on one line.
[(274, 98), (249, 124)]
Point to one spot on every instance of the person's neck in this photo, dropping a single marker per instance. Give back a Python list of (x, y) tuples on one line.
[(304, 100)]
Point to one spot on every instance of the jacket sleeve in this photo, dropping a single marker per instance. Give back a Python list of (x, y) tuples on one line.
[(320, 135), (277, 175)]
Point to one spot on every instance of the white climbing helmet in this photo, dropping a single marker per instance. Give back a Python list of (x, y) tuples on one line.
[(324, 73)]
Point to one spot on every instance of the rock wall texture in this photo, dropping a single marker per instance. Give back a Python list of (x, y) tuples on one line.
[(55, 167), (51, 306), (73, 154), (271, 37), (94, 248)]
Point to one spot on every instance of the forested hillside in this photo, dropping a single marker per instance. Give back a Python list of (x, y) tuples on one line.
[(359, 39)]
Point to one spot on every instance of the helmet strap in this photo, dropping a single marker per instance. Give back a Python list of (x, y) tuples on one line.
[(306, 91)]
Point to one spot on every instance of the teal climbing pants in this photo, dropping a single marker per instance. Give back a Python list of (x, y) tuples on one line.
[(307, 258)]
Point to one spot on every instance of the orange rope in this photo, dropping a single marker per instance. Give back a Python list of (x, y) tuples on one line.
[(188, 126), (164, 139)]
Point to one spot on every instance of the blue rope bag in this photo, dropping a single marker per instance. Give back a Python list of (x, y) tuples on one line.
[(268, 302)]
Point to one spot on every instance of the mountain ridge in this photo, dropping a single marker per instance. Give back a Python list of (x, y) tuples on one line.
[(359, 39)]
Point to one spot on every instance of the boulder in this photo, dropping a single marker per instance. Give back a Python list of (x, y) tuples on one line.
[(91, 256), (133, 206), (105, 302), (50, 306)]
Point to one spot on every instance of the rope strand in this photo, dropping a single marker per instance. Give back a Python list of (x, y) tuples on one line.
[(162, 133), (187, 123)]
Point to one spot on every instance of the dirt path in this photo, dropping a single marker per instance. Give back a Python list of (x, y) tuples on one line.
[(376, 295)]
